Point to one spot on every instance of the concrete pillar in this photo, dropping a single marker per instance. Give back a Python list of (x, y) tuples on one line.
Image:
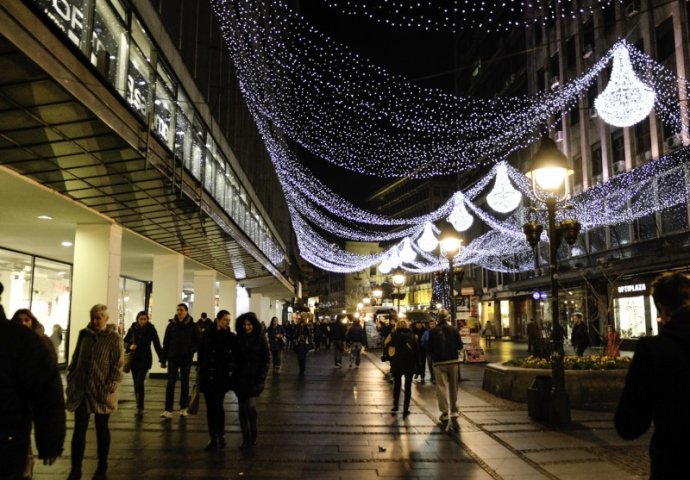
[(168, 277), (256, 302), (95, 274), (227, 298), (204, 293)]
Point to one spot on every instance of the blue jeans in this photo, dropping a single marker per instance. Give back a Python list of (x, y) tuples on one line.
[(173, 367)]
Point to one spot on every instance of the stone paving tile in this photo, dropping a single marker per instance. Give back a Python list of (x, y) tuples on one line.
[(332, 424)]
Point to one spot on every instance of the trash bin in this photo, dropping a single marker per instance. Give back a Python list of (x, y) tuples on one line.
[(538, 398)]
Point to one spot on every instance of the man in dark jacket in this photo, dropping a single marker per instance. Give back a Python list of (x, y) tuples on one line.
[(657, 387), (180, 342), (356, 338), (30, 390), (338, 332), (443, 347), (580, 336)]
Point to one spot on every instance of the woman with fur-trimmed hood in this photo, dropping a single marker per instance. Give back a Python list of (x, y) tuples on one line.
[(93, 381)]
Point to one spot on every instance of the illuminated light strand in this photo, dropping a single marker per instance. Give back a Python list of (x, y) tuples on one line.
[(351, 113), (356, 115), (454, 15), (626, 100)]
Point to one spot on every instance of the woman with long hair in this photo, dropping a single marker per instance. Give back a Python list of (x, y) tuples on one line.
[(93, 382), (215, 366), (403, 352), (276, 343), (248, 378), (139, 338)]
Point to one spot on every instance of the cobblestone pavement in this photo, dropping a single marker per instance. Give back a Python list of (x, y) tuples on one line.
[(336, 424)]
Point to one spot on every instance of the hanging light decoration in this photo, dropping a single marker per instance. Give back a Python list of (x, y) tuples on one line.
[(504, 197), (460, 217), (407, 254), (626, 100), (385, 267), (427, 241)]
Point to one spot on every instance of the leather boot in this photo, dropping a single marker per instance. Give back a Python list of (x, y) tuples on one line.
[(211, 445), (101, 471), (221, 441)]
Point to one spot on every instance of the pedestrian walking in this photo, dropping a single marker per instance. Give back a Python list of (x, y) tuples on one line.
[(444, 344), (613, 342), (204, 322), (403, 351), (249, 375), (24, 317), (579, 337), (418, 329), (533, 336), (657, 386), (56, 338), (93, 383), (424, 345), (180, 343), (31, 393), (302, 338), (276, 343), (338, 334), (356, 339), (140, 336), (215, 366), (489, 333)]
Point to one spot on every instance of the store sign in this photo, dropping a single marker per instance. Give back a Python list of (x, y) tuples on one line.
[(68, 15), (637, 287)]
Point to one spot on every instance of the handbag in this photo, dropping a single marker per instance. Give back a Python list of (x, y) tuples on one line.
[(129, 360), (193, 401)]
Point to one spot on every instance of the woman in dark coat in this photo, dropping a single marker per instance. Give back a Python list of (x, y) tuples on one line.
[(215, 366), (139, 338), (276, 342), (251, 360), (403, 350)]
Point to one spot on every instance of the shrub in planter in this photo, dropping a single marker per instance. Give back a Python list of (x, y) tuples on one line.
[(586, 362)]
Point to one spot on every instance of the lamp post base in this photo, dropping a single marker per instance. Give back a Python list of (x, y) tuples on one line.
[(559, 408)]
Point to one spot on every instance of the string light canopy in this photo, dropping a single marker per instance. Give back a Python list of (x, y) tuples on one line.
[(454, 15), (503, 198), (626, 100)]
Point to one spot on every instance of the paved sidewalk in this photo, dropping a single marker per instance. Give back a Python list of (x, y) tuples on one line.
[(336, 424)]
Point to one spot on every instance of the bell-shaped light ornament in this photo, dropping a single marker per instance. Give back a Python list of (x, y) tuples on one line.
[(626, 100), (427, 241), (503, 198), (394, 259), (385, 266), (460, 218), (407, 253)]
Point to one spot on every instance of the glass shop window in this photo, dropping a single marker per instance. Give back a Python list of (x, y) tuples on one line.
[(183, 129), (50, 301), (163, 107), (138, 82), (69, 16), (198, 149), (15, 275), (109, 43)]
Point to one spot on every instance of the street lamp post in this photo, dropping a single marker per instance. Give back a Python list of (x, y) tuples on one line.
[(450, 244), (377, 293), (549, 172), (398, 280)]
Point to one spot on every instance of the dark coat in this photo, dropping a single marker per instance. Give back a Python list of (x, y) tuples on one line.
[(356, 333), (30, 389), (580, 335), (250, 358), (181, 340), (215, 359), (143, 337), (444, 343), (276, 338), (405, 359), (657, 389), (338, 332)]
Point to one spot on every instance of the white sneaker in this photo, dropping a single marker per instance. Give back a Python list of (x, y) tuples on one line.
[(183, 412), (166, 414)]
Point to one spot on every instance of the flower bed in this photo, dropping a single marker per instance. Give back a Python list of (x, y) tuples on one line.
[(587, 362), (597, 387)]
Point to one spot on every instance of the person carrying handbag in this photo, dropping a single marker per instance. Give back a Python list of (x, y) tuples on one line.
[(138, 340)]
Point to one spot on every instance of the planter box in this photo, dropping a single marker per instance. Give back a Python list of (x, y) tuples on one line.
[(586, 388)]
